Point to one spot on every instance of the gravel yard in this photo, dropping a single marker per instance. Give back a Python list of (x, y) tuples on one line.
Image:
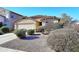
[(37, 45)]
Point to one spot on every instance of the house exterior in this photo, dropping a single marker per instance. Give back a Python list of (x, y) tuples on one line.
[(16, 21), (34, 22), (10, 17), (45, 21), (2, 19), (25, 24)]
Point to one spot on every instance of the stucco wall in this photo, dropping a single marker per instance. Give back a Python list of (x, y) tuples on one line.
[(10, 17), (13, 17), (2, 19), (25, 24)]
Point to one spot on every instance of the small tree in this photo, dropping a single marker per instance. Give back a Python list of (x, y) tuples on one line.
[(66, 18), (5, 29)]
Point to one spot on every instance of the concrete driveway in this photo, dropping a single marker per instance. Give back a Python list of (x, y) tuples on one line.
[(36, 45)]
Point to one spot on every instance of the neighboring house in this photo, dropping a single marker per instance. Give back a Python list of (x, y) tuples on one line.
[(10, 16), (62, 22), (2, 19)]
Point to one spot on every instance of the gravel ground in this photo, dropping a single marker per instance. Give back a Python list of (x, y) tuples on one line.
[(36, 45)]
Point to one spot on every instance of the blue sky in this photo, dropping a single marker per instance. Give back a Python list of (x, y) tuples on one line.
[(50, 11)]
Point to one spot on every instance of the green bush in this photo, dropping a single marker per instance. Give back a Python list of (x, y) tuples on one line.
[(1, 33), (30, 32), (1, 24), (20, 33), (4, 29)]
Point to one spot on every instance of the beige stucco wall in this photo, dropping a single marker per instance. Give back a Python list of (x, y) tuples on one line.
[(25, 24)]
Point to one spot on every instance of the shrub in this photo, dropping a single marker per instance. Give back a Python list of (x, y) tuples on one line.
[(30, 32), (20, 33), (1, 33), (1, 24), (57, 26), (65, 39), (40, 29), (5, 29)]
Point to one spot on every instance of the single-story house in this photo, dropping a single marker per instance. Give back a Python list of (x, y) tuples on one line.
[(34, 23), (25, 24)]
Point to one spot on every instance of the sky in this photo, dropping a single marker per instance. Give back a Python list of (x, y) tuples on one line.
[(50, 11)]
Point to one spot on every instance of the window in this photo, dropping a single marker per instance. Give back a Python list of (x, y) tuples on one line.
[(12, 16), (46, 21)]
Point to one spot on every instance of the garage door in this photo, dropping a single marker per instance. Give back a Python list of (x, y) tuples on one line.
[(26, 26)]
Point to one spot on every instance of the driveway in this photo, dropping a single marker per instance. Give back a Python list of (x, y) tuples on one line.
[(35, 45)]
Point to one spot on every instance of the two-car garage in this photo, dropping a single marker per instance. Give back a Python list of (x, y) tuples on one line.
[(25, 24)]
